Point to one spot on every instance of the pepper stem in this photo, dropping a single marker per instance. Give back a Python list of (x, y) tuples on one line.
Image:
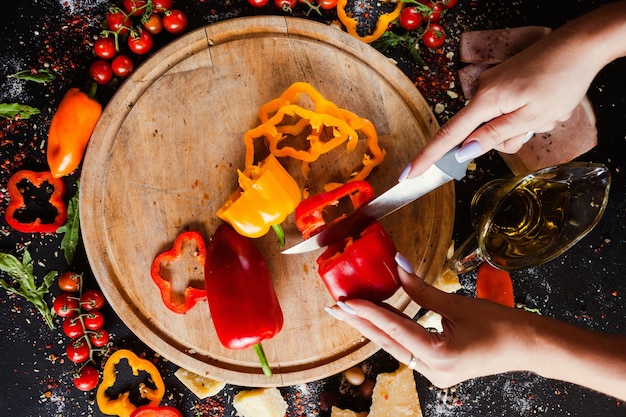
[(280, 234), (258, 348)]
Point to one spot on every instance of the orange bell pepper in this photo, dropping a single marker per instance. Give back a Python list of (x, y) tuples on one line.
[(70, 130)]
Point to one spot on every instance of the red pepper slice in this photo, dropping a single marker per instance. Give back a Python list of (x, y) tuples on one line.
[(494, 284), (37, 203), (184, 263), (361, 268), (310, 212), (156, 411), (242, 300)]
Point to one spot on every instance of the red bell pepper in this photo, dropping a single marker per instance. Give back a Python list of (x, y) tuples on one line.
[(310, 212), (361, 268), (37, 203), (186, 257), (242, 300), (156, 411), (494, 284)]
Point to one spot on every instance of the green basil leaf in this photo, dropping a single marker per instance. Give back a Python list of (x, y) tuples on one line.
[(40, 76), (71, 229), (12, 110)]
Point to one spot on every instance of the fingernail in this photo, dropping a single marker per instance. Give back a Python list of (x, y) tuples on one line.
[(404, 263), (345, 307), (468, 151), (529, 135), (333, 313), (404, 173)]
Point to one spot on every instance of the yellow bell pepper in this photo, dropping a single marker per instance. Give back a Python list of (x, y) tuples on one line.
[(382, 23), (267, 194)]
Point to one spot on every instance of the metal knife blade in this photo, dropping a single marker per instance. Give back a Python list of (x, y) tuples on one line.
[(398, 196)]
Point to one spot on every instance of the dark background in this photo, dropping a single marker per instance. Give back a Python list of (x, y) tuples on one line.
[(585, 286)]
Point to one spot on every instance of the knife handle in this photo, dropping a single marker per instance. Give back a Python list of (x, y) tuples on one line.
[(449, 164)]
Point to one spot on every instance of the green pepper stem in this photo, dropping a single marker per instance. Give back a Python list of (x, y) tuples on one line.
[(258, 348), (280, 234)]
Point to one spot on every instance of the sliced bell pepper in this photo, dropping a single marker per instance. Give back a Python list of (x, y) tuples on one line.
[(70, 130), (310, 212), (122, 406), (243, 303), (351, 24), (362, 267), (494, 284), (36, 202), (156, 411), (267, 194), (182, 264)]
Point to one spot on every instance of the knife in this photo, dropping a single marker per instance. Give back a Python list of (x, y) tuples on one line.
[(404, 192)]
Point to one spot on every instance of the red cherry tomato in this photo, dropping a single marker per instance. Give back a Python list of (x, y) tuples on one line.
[(122, 66), (78, 350), (258, 3), (141, 44), (448, 4), (162, 5), (286, 5), (92, 300), (435, 15), (118, 22), (65, 304), (154, 24), (175, 21), (99, 338), (86, 378), (104, 48), (434, 36), (327, 4), (410, 18), (100, 71), (93, 320), (134, 7), (69, 281), (72, 327)]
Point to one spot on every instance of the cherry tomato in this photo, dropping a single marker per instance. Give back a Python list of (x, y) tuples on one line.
[(258, 3), (434, 36), (78, 350), (100, 71), (93, 320), (104, 48), (86, 378), (327, 4), (122, 66), (448, 4), (69, 281), (285, 5), (118, 22), (72, 327), (92, 300), (141, 44), (134, 7), (65, 304), (154, 24), (435, 15), (99, 338), (162, 5), (175, 21), (410, 18)]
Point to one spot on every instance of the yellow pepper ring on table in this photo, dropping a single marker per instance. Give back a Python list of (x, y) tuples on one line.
[(352, 24), (267, 195)]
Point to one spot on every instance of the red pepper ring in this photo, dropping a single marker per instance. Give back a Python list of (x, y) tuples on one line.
[(23, 202), (156, 411), (310, 212), (187, 257), (361, 268)]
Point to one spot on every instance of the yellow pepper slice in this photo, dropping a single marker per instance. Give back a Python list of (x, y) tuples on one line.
[(352, 24), (267, 194)]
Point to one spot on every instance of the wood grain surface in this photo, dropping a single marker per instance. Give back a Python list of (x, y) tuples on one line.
[(163, 159)]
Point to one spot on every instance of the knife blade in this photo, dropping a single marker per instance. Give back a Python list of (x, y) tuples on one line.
[(404, 192)]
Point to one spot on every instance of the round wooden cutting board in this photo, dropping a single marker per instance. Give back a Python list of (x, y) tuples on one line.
[(164, 158)]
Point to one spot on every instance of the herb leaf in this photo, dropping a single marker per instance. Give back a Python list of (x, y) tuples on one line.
[(12, 110), (71, 229), (24, 282), (39, 76)]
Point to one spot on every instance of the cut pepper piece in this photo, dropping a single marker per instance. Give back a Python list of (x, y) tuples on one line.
[(36, 202), (310, 212), (267, 194), (351, 24), (494, 284), (362, 267), (121, 406), (182, 264), (156, 411)]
